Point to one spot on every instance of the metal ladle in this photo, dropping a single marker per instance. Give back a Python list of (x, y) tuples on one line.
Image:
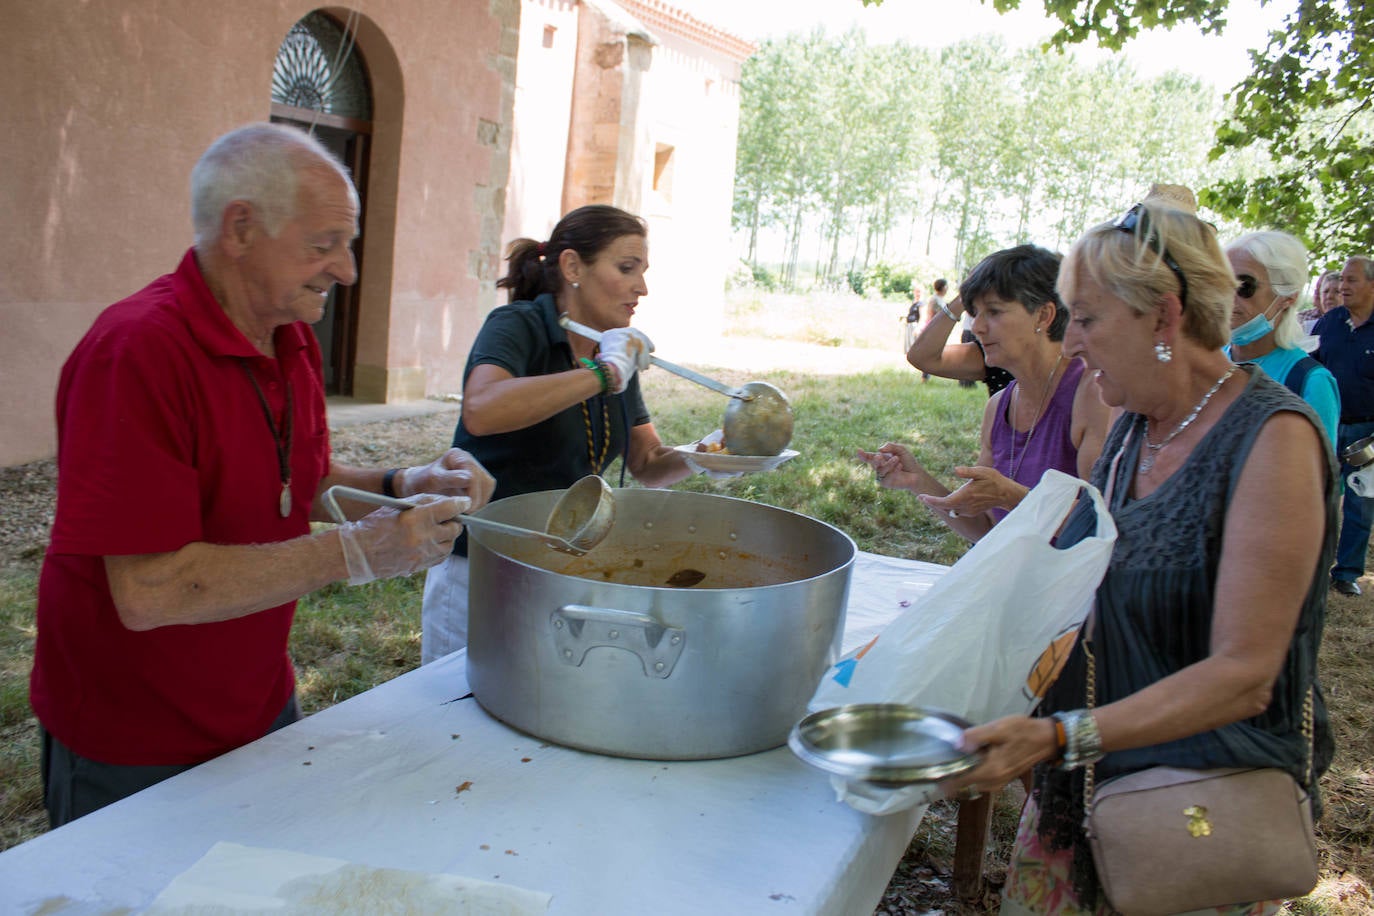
[(580, 520), (758, 419)]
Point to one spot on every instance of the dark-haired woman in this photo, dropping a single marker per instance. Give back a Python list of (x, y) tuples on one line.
[(543, 407), (1050, 416)]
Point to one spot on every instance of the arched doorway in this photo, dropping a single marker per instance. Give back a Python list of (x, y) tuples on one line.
[(320, 84)]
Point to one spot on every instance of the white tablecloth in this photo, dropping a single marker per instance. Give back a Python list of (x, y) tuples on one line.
[(413, 774)]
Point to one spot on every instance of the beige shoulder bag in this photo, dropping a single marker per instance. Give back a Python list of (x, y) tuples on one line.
[(1168, 840)]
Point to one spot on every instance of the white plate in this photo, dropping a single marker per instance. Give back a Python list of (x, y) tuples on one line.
[(743, 464)]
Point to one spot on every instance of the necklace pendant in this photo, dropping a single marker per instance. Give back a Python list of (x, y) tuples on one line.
[(1146, 463), (284, 503)]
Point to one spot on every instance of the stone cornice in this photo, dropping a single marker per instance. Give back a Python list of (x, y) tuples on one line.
[(669, 19)]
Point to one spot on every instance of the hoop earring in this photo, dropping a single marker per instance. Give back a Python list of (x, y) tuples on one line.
[(1163, 352)]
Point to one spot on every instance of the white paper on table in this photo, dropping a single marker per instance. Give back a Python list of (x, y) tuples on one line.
[(231, 878)]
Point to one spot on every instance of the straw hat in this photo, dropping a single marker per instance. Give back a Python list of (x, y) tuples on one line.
[(1178, 196)]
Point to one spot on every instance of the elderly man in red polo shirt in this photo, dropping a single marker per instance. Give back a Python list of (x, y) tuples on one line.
[(192, 449)]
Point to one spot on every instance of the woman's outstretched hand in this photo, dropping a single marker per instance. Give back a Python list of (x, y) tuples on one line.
[(893, 465), (986, 489)]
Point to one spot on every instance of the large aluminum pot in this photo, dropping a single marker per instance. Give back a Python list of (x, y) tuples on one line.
[(602, 653)]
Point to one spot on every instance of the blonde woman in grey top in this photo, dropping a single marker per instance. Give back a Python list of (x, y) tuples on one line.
[(1208, 621)]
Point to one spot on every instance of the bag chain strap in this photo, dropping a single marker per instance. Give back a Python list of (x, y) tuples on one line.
[(1089, 778), (1090, 695), (1307, 733)]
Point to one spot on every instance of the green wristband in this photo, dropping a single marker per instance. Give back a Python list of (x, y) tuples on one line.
[(600, 371)]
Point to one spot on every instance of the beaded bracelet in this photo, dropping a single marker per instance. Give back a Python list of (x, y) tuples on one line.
[(600, 371)]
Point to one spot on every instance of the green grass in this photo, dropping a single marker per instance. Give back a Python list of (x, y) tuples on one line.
[(21, 790), (347, 640)]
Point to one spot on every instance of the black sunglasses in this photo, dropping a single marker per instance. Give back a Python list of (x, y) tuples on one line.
[(1138, 216), (1247, 286)]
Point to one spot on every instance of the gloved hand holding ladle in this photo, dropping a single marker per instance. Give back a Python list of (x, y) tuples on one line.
[(758, 419), (579, 521)]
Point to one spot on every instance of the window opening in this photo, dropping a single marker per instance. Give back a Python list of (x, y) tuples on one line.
[(316, 69)]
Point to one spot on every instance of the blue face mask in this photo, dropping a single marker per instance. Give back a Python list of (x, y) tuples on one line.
[(1254, 329)]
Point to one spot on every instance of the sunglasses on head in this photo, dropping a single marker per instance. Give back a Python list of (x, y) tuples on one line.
[(1139, 217), (1246, 286)]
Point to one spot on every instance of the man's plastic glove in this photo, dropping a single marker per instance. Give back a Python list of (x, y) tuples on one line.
[(391, 542)]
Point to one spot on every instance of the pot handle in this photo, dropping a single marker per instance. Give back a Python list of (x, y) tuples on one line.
[(578, 628)]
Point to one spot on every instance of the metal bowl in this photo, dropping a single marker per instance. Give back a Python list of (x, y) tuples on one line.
[(1359, 453), (886, 744)]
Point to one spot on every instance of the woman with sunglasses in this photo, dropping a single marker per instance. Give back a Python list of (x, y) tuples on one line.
[(1201, 651), (1049, 416), (1271, 271)]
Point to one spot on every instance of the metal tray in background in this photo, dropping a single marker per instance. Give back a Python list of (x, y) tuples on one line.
[(886, 744)]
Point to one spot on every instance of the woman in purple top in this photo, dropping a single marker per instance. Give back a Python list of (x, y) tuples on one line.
[(1050, 417)]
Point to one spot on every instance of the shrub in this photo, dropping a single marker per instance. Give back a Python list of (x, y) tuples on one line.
[(751, 276), (890, 280), (855, 280)]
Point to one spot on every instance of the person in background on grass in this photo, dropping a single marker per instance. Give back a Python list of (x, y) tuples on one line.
[(1207, 624), (191, 455), (1346, 346), (924, 311), (1271, 270), (1326, 295), (544, 407), (913, 319), (1050, 416)]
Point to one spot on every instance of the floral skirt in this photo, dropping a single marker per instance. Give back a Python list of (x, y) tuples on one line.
[(1039, 880)]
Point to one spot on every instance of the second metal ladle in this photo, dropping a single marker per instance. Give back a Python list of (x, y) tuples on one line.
[(692, 375), (580, 520), (758, 420)]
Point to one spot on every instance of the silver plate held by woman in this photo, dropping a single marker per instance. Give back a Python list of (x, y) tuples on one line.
[(887, 744), (1359, 453)]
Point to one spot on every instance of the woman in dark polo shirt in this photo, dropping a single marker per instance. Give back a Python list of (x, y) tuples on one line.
[(542, 407)]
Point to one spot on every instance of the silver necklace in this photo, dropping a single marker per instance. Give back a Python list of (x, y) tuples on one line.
[(1148, 461), (1035, 420)]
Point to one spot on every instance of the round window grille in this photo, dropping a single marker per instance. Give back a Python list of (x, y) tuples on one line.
[(318, 68)]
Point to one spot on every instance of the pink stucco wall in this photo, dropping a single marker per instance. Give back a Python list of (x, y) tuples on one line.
[(106, 107)]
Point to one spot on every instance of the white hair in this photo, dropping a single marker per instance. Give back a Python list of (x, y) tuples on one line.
[(1284, 258), (260, 164)]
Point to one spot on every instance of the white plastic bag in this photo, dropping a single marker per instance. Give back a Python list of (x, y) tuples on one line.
[(989, 635)]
